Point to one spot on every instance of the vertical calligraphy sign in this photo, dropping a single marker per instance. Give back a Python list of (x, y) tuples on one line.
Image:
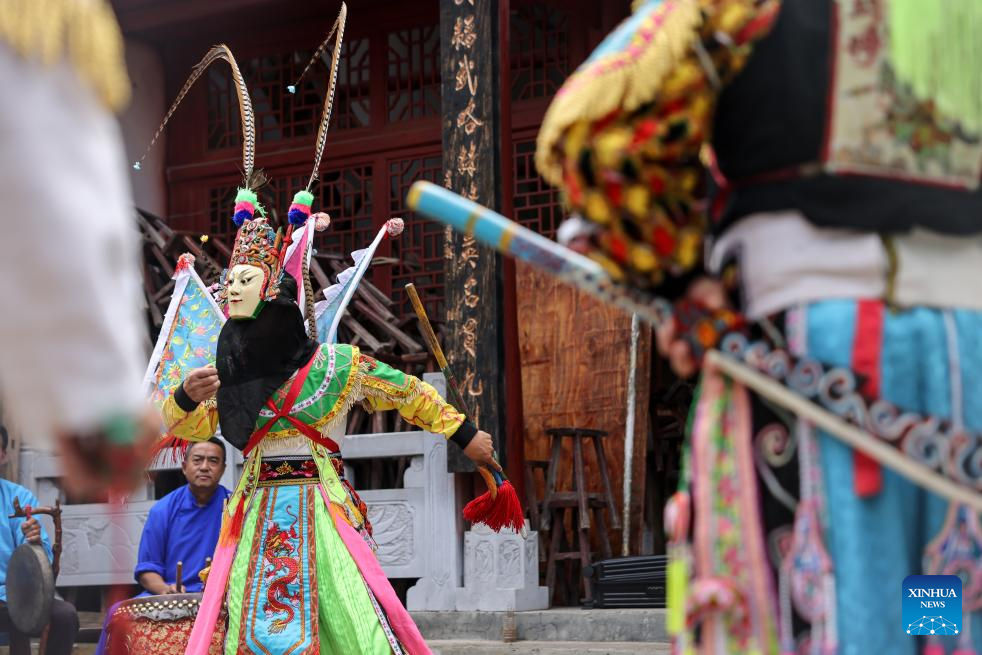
[(471, 167)]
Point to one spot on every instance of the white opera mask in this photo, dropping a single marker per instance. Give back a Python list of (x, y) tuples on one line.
[(245, 287)]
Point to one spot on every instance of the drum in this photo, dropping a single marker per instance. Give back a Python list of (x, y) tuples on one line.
[(158, 625), (30, 589)]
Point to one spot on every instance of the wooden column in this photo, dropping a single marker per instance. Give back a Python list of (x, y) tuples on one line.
[(515, 419), (471, 167)]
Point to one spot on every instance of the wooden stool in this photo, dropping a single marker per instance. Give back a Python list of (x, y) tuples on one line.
[(579, 503), (533, 502)]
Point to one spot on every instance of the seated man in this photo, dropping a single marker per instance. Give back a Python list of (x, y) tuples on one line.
[(13, 533), (183, 526)]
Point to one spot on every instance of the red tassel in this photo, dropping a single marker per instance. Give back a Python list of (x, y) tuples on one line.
[(175, 448), (505, 511), (232, 529), (477, 509)]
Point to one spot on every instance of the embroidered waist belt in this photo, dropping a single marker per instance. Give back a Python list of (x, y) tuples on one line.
[(279, 471)]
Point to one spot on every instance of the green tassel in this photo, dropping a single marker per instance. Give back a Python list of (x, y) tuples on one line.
[(676, 594), (247, 195), (935, 49), (303, 198)]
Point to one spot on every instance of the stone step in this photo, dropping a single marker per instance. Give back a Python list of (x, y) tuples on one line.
[(480, 647), (556, 624), (559, 625), (485, 647)]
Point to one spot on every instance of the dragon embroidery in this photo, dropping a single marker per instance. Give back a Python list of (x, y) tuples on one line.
[(279, 554)]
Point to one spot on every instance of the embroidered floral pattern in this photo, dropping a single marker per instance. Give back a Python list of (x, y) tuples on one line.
[(288, 470)]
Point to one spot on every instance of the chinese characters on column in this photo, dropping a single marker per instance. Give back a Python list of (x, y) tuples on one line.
[(469, 125)]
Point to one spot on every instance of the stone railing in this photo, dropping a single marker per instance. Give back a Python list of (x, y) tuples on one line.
[(415, 526), (99, 541)]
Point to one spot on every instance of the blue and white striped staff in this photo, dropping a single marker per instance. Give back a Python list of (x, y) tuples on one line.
[(850, 416), (508, 237)]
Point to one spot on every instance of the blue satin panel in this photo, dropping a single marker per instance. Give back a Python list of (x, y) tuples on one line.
[(876, 542)]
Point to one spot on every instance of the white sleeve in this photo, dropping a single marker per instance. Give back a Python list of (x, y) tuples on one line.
[(72, 336)]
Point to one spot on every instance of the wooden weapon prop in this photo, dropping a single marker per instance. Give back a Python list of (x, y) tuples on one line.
[(928, 450), (500, 506)]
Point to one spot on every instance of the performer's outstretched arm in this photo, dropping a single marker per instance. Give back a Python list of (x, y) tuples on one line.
[(419, 403)]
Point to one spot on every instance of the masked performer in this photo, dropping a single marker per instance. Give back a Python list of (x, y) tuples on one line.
[(296, 544), (71, 346), (838, 146), (295, 566)]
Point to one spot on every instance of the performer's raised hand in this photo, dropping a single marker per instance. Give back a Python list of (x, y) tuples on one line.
[(31, 530), (201, 383), (711, 296), (481, 450)]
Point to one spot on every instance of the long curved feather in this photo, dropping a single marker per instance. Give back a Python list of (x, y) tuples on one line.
[(219, 52), (337, 33)]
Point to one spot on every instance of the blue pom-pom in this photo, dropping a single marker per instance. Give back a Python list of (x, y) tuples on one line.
[(297, 217), (136, 166), (241, 216), (291, 89)]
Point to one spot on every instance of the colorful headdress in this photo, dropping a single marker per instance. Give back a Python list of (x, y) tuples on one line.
[(623, 138), (299, 213), (245, 108), (257, 244)]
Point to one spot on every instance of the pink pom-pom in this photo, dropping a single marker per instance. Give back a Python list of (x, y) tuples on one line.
[(184, 261), (321, 221), (394, 227)]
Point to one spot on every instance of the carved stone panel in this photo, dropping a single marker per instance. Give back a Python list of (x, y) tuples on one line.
[(501, 572), (397, 516)]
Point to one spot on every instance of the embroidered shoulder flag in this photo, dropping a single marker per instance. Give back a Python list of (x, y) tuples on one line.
[(337, 296), (189, 335)]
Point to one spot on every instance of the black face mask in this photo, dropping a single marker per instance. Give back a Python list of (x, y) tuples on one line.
[(255, 357)]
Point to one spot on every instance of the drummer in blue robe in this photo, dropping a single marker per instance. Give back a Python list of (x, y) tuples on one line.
[(183, 526)]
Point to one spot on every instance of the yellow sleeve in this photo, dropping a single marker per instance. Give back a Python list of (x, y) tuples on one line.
[(197, 425), (418, 402)]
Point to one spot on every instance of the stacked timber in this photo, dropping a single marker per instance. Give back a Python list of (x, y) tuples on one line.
[(369, 323)]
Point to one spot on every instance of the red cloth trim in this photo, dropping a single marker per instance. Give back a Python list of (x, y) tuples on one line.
[(866, 352)]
